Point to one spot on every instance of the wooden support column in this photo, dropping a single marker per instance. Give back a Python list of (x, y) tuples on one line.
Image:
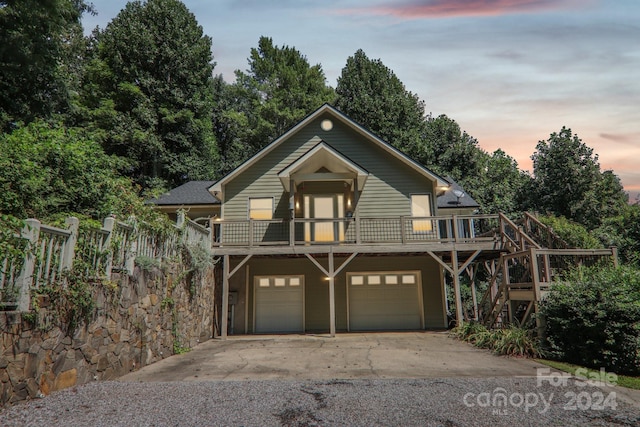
[(331, 274), (225, 298), (535, 277), (472, 270), (226, 275), (292, 209), (354, 207), (456, 286), (332, 297)]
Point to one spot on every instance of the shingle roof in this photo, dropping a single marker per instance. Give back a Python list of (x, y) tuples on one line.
[(190, 193), (450, 200)]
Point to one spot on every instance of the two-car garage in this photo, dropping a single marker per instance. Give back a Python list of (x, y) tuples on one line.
[(389, 300)]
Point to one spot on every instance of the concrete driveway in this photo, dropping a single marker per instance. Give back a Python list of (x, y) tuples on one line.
[(347, 356)]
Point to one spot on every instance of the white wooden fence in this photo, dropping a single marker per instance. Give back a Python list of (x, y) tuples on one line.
[(111, 248)]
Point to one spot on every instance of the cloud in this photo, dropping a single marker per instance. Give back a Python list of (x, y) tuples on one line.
[(418, 9), (630, 139)]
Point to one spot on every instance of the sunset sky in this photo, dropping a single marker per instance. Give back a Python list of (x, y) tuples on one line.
[(510, 72)]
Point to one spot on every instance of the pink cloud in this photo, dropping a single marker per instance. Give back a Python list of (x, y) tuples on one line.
[(417, 9)]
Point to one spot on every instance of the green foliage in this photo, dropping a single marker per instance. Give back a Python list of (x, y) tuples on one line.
[(623, 231), (47, 168), (574, 234), (148, 89), (196, 260), (40, 51), (449, 150), (593, 319), (278, 90), (146, 263), (72, 297), (371, 94), (568, 181), (510, 341)]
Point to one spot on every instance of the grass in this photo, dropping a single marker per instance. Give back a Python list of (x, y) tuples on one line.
[(623, 380)]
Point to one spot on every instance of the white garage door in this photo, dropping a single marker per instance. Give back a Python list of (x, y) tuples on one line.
[(279, 304), (385, 301)]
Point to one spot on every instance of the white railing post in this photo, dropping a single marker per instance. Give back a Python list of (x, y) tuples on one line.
[(73, 224), (180, 219), (132, 250), (107, 226), (31, 232)]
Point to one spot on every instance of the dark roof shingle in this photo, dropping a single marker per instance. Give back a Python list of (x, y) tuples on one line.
[(190, 193)]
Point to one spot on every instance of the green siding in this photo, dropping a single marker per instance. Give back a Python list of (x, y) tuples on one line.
[(385, 194), (317, 288)]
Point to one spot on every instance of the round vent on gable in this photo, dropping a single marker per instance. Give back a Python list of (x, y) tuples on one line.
[(326, 125)]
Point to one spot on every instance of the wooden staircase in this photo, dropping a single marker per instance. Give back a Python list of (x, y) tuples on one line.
[(522, 276)]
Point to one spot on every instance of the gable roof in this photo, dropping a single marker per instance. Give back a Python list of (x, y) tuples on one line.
[(323, 155), (326, 108), (190, 193)]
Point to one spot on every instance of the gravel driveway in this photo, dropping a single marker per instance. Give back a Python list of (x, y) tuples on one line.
[(404, 402), (411, 379)]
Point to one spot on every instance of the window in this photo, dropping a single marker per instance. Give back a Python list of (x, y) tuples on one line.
[(421, 207), (261, 208)]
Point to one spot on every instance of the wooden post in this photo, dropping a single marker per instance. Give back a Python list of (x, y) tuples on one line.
[(535, 276), (614, 256), (225, 298), (250, 232), (31, 232), (456, 232), (332, 297), (456, 286), (292, 209), (474, 295), (70, 245), (354, 207)]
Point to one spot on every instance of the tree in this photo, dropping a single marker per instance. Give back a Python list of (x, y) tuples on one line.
[(568, 181), (41, 46), (371, 94), (278, 90), (149, 89), (623, 231), (502, 185), (47, 169), (446, 149)]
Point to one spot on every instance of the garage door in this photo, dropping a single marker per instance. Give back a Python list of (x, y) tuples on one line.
[(385, 301), (279, 304)]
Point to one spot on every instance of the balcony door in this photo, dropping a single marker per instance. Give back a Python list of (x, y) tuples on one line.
[(323, 208)]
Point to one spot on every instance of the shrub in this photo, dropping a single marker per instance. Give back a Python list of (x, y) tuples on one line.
[(510, 341), (576, 235), (593, 319)]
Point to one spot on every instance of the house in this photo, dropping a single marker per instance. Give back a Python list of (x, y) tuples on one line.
[(330, 228), (193, 197)]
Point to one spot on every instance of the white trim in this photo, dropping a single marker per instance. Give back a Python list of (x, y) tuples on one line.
[(288, 172)]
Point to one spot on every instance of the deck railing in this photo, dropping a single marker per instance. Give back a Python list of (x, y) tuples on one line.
[(383, 230)]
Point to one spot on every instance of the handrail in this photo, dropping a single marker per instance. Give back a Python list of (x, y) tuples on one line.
[(522, 235), (396, 229), (55, 231)]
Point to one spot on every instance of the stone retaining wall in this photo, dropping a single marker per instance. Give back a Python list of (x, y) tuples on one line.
[(141, 320)]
